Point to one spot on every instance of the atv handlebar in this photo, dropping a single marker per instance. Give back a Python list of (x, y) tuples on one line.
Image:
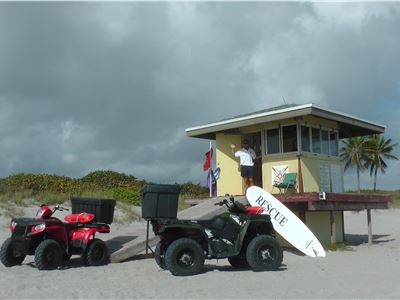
[(234, 206), (60, 208), (223, 202)]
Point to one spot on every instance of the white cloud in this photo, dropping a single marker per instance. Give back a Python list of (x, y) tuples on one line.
[(113, 85)]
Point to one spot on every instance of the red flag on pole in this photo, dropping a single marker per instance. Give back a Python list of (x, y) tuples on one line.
[(207, 162)]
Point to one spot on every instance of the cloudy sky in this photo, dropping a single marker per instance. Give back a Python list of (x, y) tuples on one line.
[(86, 86)]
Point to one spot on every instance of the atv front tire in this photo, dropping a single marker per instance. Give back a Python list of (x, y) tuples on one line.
[(159, 255), (184, 257), (7, 256), (96, 253), (264, 253), (48, 255)]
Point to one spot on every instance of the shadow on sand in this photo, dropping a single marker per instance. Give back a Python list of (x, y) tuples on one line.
[(211, 268), (118, 242), (359, 239)]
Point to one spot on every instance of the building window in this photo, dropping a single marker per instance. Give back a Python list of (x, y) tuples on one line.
[(305, 138), (289, 138), (333, 143), (273, 140), (316, 140), (325, 142), (285, 139)]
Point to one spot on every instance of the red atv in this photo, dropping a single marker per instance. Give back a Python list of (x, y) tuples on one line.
[(51, 241)]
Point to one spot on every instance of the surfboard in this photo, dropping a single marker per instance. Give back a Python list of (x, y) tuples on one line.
[(285, 222)]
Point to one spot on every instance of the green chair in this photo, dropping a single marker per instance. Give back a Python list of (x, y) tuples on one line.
[(289, 181)]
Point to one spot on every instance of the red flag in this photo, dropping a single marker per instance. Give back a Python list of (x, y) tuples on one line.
[(207, 162)]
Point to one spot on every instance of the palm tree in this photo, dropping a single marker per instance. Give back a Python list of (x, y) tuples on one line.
[(353, 155), (377, 148)]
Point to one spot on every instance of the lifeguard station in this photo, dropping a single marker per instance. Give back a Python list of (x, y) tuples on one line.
[(300, 142)]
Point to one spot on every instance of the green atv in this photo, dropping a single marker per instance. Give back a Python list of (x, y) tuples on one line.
[(243, 235)]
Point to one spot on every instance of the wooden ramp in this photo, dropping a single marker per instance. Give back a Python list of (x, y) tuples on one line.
[(206, 209)]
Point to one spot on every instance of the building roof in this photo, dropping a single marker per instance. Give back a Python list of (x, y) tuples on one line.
[(349, 126)]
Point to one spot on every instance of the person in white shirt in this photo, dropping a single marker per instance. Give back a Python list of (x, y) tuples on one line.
[(247, 157)]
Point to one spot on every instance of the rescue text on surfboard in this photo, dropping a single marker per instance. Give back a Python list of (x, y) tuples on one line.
[(272, 211)]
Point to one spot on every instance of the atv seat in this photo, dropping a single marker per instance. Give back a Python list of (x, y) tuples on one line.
[(216, 223), (79, 218), (97, 225), (222, 226), (72, 226)]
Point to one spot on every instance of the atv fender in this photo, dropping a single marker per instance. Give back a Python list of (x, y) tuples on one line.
[(171, 232), (81, 237), (257, 225)]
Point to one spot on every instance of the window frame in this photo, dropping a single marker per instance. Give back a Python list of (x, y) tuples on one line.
[(336, 133), (266, 140), (299, 139)]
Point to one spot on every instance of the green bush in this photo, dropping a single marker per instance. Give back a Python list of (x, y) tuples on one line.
[(109, 179), (54, 189), (126, 195), (40, 182), (94, 181), (190, 189)]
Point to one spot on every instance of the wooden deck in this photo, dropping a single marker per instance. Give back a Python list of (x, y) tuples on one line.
[(331, 202)]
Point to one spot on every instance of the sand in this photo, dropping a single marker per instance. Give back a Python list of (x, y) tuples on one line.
[(362, 272)]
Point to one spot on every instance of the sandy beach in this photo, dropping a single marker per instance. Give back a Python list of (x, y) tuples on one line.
[(363, 271)]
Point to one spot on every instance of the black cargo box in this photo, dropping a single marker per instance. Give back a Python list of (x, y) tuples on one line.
[(103, 209), (160, 201)]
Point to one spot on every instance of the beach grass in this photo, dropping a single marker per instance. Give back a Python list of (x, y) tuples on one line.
[(395, 203), (394, 195), (336, 247), (128, 214)]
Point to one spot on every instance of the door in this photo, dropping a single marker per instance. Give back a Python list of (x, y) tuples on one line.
[(230, 181), (255, 143)]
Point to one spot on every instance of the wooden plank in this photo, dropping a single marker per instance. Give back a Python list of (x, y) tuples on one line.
[(133, 248), (339, 197), (313, 197), (297, 197), (326, 206)]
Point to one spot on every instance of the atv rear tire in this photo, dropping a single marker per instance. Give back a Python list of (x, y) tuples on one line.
[(159, 255), (264, 253), (7, 255), (184, 257), (48, 255), (96, 253), (238, 261)]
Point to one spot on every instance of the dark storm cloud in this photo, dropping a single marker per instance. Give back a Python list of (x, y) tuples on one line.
[(85, 86)]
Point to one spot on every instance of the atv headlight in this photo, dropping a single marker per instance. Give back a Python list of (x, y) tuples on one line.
[(37, 229), (12, 225)]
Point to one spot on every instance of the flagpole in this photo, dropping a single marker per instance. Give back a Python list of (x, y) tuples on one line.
[(210, 170)]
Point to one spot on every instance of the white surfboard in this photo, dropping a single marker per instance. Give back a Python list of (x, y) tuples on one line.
[(285, 222)]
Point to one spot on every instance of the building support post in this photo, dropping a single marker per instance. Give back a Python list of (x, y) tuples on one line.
[(343, 232), (300, 175), (369, 227), (299, 170), (333, 227), (302, 216)]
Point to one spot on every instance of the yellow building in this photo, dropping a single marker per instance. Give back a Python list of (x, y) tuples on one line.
[(301, 139)]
